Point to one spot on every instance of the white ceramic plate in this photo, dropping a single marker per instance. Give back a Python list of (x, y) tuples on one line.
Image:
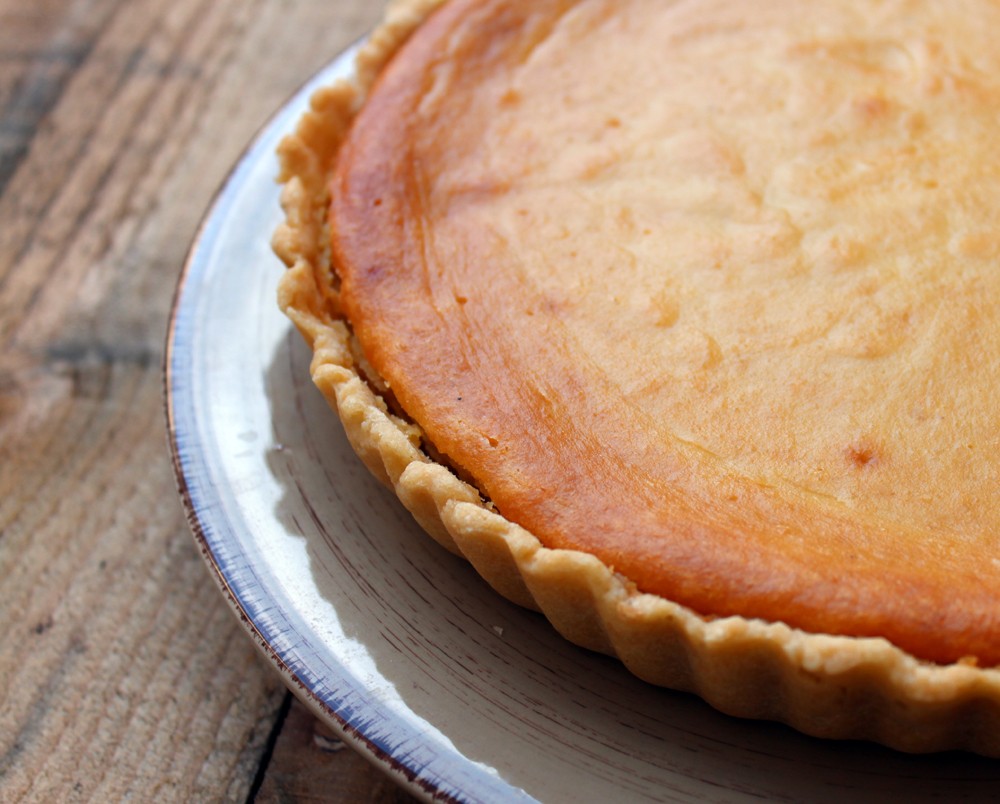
[(394, 642)]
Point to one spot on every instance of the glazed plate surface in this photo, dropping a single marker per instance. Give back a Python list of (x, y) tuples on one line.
[(398, 645)]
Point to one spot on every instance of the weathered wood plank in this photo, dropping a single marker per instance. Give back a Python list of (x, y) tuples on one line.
[(122, 672)]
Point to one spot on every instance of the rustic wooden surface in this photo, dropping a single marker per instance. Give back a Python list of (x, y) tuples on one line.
[(122, 671)]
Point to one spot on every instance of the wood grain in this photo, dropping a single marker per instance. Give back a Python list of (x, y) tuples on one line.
[(122, 671)]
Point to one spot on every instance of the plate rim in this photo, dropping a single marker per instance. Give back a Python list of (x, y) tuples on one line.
[(410, 779)]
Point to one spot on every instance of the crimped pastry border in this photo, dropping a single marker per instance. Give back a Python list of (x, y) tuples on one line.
[(827, 686)]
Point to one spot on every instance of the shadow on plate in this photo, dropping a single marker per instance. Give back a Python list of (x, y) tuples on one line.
[(506, 690)]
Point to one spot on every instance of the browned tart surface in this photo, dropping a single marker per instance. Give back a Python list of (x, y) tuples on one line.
[(710, 290)]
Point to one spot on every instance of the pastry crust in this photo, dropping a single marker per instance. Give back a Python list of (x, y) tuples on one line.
[(831, 686)]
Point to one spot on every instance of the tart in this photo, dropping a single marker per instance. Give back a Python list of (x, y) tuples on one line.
[(681, 322)]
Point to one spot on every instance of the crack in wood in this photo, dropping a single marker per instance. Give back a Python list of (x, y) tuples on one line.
[(102, 353), (272, 741)]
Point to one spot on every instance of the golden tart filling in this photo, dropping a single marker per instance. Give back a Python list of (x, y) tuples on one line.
[(708, 291)]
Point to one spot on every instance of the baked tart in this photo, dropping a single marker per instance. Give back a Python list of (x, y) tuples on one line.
[(681, 322)]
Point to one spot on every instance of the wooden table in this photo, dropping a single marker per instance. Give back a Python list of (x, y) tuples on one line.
[(122, 670)]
